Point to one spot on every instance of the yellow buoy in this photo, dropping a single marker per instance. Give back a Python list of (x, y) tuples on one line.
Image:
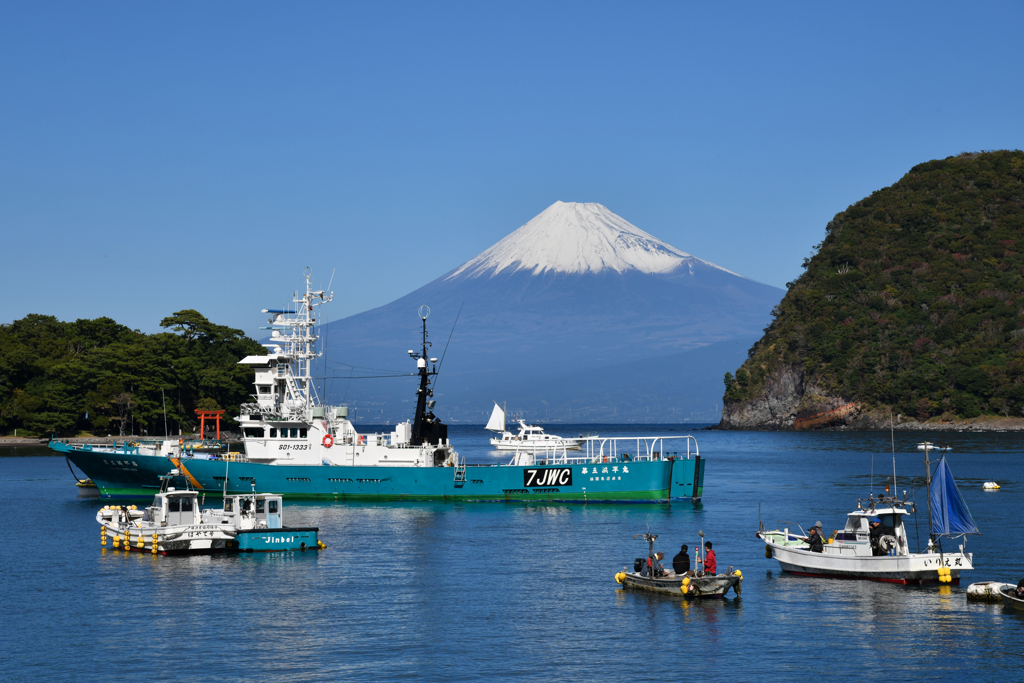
[(738, 573), (686, 581), (619, 576), (768, 552)]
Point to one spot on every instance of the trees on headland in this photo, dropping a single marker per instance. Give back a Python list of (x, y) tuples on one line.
[(914, 300), (102, 377)]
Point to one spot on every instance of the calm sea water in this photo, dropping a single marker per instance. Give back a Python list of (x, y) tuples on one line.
[(487, 591)]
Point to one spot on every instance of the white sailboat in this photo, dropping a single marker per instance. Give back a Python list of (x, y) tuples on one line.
[(530, 437)]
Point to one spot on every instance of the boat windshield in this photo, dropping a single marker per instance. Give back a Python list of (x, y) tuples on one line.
[(856, 524), (892, 521)]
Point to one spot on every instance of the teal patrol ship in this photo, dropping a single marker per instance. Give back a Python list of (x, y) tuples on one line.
[(301, 448)]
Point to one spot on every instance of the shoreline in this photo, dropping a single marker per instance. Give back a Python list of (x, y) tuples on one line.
[(868, 422), (81, 440)]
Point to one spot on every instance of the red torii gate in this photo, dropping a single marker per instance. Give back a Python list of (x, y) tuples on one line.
[(204, 415)]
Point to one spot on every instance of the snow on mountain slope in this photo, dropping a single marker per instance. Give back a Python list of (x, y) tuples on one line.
[(569, 237)]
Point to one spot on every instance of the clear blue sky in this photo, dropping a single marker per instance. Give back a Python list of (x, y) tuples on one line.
[(160, 156)]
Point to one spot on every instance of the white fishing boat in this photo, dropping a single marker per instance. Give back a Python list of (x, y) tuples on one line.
[(883, 554), (172, 524), (529, 438), (175, 524)]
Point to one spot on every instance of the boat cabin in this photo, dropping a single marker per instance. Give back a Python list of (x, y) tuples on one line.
[(173, 508), (249, 511), (856, 537)]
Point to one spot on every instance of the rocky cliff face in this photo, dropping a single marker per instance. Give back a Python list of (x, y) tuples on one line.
[(784, 402)]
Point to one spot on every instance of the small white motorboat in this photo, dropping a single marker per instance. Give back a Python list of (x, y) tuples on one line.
[(530, 437), (990, 486)]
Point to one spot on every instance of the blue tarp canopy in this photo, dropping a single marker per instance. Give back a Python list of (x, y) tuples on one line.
[(950, 516)]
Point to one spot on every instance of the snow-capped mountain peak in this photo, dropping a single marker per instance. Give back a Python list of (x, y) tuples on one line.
[(570, 237)]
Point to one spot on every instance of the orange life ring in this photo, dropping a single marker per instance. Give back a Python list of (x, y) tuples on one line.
[(328, 441)]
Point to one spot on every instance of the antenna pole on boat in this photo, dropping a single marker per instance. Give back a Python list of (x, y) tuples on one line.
[(928, 488), (892, 440)]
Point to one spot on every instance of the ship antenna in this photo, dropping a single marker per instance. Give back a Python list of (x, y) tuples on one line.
[(892, 438), (438, 371)]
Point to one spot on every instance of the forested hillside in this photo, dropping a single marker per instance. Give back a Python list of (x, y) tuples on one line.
[(98, 376), (914, 300)]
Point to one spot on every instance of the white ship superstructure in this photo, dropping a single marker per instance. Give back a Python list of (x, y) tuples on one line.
[(288, 425)]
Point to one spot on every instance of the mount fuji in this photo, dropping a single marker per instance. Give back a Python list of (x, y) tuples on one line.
[(577, 316)]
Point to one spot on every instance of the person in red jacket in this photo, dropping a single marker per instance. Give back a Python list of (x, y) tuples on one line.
[(710, 563)]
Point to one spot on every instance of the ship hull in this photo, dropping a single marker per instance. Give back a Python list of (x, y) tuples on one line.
[(135, 476)]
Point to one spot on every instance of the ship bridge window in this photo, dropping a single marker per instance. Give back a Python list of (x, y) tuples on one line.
[(174, 505), (259, 506), (302, 433), (264, 389), (294, 433), (229, 505), (254, 432), (273, 432), (273, 507), (186, 505)]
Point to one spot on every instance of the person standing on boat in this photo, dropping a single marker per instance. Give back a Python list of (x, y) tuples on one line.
[(814, 539), (710, 561), (681, 562)]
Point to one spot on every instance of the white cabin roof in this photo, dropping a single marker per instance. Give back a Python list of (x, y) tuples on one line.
[(878, 512), (260, 360)]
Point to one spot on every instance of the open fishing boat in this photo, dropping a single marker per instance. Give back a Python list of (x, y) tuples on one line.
[(691, 585), (1008, 594), (883, 553)]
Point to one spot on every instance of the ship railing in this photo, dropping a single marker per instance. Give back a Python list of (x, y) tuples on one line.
[(610, 449), (644, 448)]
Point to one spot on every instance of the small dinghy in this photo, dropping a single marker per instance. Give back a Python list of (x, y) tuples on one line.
[(990, 486), (692, 585), (1008, 594)]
